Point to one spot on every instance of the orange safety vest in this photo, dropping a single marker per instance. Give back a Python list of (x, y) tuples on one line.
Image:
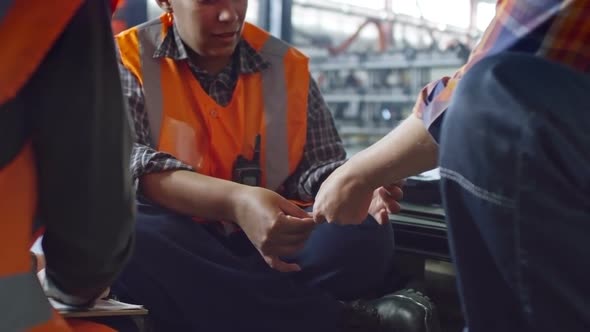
[(188, 124), (23, 304)]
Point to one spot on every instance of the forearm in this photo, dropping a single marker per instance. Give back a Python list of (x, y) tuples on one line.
[(192, 194), (407, 150)]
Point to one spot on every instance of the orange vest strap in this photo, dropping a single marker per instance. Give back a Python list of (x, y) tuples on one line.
[(18, 210), (28, 44)]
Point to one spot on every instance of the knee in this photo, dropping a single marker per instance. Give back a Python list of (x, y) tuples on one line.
[(371, 241), (368, 247), (348, 261), (367, 258)]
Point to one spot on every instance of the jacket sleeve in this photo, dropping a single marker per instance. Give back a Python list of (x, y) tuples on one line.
[(83, 143)]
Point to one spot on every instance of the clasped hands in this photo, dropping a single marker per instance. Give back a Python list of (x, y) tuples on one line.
[(279, 228)]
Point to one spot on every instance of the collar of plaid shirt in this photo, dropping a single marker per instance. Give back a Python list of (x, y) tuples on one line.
[(245, 60)]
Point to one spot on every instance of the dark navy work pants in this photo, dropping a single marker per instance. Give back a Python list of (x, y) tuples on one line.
[(191, 278), (515, 167)]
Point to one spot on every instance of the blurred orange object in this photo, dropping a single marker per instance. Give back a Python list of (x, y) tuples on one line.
[(118, 24), (78, 325), (114, 5)]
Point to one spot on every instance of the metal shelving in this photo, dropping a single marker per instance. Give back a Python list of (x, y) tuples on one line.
[(370, 93)]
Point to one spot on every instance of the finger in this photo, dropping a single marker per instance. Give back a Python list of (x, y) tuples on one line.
[(392, 191), (384, 217), (397, 193), (399, 183), (390, 203), (284, 245), (285, 250), (330, 218), (378, 216), (319, 218), (292, 225), (395, 207), (285, 239), (381, 216), (291, 209), (277, 264)]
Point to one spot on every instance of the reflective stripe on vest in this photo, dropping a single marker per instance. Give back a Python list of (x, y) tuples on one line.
[(274, 94), (22, 302), (152, 81)]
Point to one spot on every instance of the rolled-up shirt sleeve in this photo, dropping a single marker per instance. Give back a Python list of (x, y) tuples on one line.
[(323, 151), (543, 30)]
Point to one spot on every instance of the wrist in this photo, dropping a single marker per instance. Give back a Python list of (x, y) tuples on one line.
[(236, 201), (359, 175)]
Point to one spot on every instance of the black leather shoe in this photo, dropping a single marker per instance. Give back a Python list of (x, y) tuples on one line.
[(358, 317), (406, 310)]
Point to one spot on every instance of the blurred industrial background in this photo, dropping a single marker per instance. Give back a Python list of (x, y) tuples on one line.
[(370, 57)]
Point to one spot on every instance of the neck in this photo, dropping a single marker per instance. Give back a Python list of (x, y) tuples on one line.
[(212, 64)]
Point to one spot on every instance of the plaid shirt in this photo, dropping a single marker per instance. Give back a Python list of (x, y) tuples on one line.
[(552, 29), (323, 150)]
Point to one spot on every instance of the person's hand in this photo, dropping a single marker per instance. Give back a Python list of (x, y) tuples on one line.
[(385, 201), (343, 198), (346, 198), (274, 225)]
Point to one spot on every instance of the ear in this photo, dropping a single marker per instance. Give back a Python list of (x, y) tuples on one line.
[(165, 5)]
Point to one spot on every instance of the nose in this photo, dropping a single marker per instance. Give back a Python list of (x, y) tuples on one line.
[(228, 13)]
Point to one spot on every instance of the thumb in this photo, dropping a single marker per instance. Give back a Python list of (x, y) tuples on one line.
[(277, 264), (382, 217), (291, 209), (319, 218)]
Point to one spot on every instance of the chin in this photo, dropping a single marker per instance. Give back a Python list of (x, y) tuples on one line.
[(223, 51)]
